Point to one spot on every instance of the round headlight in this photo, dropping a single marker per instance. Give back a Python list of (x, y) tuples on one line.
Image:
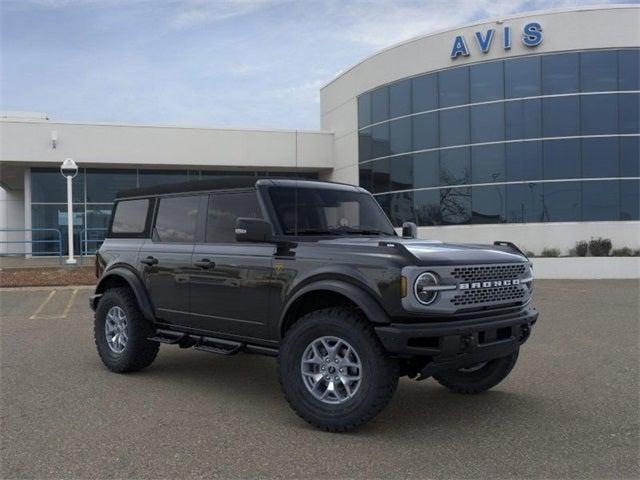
[(423, 293)]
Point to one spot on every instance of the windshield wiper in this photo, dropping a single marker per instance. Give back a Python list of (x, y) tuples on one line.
[(362, 231), (313, 231)]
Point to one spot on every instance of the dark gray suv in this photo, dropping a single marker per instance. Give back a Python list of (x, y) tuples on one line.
[(314, 274)]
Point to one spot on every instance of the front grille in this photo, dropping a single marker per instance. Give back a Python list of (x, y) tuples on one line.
[(481, 273), (489, 295)]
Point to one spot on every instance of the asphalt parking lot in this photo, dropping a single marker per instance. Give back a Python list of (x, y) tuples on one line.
[(569, 409)]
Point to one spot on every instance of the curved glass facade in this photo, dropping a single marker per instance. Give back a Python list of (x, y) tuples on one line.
[(542, 138)]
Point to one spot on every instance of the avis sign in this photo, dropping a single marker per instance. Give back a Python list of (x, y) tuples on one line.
[(531, 37)]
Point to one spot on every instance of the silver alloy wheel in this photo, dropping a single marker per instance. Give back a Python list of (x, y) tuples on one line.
[(473, 368), (115, 329), (331, 370)]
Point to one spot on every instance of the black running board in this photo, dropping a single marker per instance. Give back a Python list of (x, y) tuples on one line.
[(221, 346)]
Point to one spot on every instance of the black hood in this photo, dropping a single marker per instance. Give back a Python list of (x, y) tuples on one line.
[(432, 252)]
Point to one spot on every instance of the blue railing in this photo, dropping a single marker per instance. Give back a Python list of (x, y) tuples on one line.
[(57, 241), (91, 236)]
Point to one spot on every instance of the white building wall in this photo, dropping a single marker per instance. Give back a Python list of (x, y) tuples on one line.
[(11, 217)]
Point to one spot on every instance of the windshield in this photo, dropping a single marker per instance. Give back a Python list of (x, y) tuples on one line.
[(324, 211)]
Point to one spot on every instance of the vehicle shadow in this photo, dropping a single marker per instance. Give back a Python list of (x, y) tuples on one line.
[(252, 380)]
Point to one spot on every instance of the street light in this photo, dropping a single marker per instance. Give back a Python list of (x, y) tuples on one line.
[(69, 169)]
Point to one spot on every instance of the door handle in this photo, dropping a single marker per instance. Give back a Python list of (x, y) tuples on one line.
[(204, 263), (149, 261)]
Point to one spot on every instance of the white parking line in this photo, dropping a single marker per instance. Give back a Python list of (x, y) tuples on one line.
[(42, 305)]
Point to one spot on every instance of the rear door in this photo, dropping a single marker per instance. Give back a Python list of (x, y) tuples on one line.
[(166, 258), (230, 286)]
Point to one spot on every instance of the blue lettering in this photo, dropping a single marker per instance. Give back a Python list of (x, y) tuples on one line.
[(485, 43), (506, 38), (532, 34), (459, 47)]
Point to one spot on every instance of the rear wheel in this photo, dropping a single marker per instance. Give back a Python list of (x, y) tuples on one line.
[(478, 378), (333, 370), (120, 332)]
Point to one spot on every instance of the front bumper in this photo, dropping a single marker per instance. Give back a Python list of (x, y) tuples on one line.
[(457, 344)]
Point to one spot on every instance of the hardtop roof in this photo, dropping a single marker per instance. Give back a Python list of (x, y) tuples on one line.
[(228, 183)]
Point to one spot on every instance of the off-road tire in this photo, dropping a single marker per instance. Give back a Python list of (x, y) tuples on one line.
[(379, 371), (494, 372), (138, 352)]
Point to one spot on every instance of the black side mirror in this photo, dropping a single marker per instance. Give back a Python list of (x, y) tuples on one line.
[(409, 230), (253, 230)]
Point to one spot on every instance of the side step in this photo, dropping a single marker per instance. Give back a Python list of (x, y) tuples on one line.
[(206, 344)]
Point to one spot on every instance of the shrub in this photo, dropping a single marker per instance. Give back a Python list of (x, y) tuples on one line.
[(581, 249), (550, 252), (622, 252), (600, 247), (636, 252), (530, 254)]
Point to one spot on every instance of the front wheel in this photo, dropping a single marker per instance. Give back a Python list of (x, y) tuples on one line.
[(478, 378), (333, 370)]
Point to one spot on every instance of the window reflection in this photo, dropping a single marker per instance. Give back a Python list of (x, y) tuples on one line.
[(600, 157), (560, 73), (599, 114), (454, 127), (400, 98), (598, 71), (561, 202), (523, 161), (487, 164), (561, 159), (427, 207), (630, 200), (524, 203), (487, 81), (522, 77), (488, 204), (424, 91), (487, 123), (455, 166), (455, 205), (523, 119), (600, 201), (453, 87), (561, 116), (400, 135), (380, 105), (402, 172)]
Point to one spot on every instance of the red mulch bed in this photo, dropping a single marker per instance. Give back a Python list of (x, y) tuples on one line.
[(47, 276)]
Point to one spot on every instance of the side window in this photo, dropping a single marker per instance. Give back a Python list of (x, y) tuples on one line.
[(130, 216), (224, 209), (177, 218)]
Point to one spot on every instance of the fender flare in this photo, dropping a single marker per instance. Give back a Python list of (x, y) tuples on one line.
[(136, 286), (364, 300)]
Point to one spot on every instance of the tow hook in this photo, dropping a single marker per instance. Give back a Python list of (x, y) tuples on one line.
[(525, 331), (468, 342)]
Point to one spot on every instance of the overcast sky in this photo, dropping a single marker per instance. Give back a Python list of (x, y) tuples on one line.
[(227, 63)]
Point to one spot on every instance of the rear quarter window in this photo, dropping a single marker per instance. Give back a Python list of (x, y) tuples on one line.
[(130, 217)]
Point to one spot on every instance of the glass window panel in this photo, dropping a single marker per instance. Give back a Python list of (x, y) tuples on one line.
[(426, 169), (424, 93), (401, 208), (600, 201), (365, 145), (487, 81), (149, 178), (599, 71), (176, 219), (427, 207), (487, 123), (98, 217), (487, 164), (455, 205), (629, 113), (453, 87), (629, 70), (130, 216), (380, 105), (562, 202), (522, 77), (425, 131), (380, 140), (400, 98), (524, 203), (599, 114), (49, 186), (402, 172), (561, 159), (488, 204), (224, 209), (454, 127), (455, 166), (600, 157), (400, 135), (523, 119), (226, 173), (560, 73), (561, 116), (381, 175), (365, 176), (630, 200), (364, 110), (102, 185), (54, 217), (523, 161), (630, 156)]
